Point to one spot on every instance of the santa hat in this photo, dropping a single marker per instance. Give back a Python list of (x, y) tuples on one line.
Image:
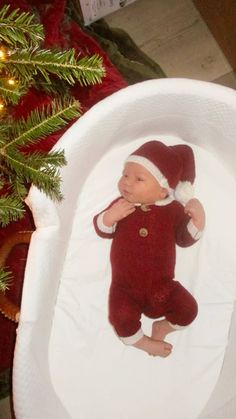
[(172, 166)]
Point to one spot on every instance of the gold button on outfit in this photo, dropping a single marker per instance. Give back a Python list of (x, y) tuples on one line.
[(145, 207), (143, 232)]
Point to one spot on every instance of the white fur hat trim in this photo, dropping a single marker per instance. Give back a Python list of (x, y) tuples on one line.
[(133, 158)]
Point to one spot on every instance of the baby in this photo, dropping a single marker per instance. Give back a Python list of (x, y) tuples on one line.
[(146, 222)]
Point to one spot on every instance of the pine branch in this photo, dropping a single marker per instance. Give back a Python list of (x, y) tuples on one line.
[(46, 179), (56, 88), (46, 160), (41, 122), (25, 64), (5, 279), (11, 94), (11, 209), (50, 71), (18, 28), (18, 188), (3, 137), (37, 168)]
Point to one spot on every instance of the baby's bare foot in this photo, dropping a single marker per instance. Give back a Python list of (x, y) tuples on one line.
[(160, 329), (154, 347)]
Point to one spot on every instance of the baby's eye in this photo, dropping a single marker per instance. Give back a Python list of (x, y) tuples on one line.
[(140, 179)]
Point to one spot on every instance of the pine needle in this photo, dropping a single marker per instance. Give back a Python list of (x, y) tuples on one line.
[(18, 28), (46, 179), (41, 123), (11, 209), (5, 279), (25, 64), (11, 94)]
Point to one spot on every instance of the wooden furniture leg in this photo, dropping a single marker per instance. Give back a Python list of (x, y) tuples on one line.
[(7, 307)]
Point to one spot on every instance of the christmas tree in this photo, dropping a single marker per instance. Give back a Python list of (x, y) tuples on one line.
[(24, 65)]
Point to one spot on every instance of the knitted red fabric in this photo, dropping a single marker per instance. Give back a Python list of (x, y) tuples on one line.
[(143, 256)]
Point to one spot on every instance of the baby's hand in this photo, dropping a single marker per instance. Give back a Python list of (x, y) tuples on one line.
[(196, 211), (119, 210)]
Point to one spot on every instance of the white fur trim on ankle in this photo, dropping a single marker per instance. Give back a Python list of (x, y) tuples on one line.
[(176, 326), (130, 340)]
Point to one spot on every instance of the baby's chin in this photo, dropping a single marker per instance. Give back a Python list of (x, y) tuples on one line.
[(131, 199), (126, 195)]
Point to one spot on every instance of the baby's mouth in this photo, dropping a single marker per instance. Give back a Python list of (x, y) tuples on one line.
[(125, 192)]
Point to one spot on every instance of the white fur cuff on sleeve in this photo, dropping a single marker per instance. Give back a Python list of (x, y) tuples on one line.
[(102, 227), (193, 231)]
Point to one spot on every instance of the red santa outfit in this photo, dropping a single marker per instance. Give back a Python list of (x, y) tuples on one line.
[(143, 253)]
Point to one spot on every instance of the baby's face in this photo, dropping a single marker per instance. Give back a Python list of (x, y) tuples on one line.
[(138, 185)]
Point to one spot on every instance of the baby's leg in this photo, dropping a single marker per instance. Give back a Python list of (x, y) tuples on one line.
[(160, 329), (125, 317), (181, 310), (154, 347)]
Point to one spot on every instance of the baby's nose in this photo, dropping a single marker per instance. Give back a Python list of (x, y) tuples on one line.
[(128, 181)]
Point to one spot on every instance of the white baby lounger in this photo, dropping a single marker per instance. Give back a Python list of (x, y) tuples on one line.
[(69, 364)]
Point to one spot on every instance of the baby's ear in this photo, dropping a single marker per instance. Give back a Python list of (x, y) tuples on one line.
[(164, 193)]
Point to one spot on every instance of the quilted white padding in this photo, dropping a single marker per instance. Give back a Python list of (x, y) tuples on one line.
[(79, 368)]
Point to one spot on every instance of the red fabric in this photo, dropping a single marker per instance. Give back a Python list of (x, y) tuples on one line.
[(143, 267), (179, 308), (64, 33)]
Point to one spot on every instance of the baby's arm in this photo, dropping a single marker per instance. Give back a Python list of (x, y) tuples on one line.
[(105, 222), (190, 224), (120, 209), (196, 211)]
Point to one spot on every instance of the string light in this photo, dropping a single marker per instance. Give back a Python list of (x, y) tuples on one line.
[(12, 82), (1, 106), (2, 54)]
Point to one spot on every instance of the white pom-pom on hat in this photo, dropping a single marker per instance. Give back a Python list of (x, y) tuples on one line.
[(183, 192)]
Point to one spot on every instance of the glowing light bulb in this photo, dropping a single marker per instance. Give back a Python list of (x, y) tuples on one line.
[(2, 54), (11, 82), (1, 106)]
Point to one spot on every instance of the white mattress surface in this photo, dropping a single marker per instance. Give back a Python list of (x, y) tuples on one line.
[(93, 373)]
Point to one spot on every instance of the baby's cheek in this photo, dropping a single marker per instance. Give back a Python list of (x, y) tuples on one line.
[(119, 183)]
